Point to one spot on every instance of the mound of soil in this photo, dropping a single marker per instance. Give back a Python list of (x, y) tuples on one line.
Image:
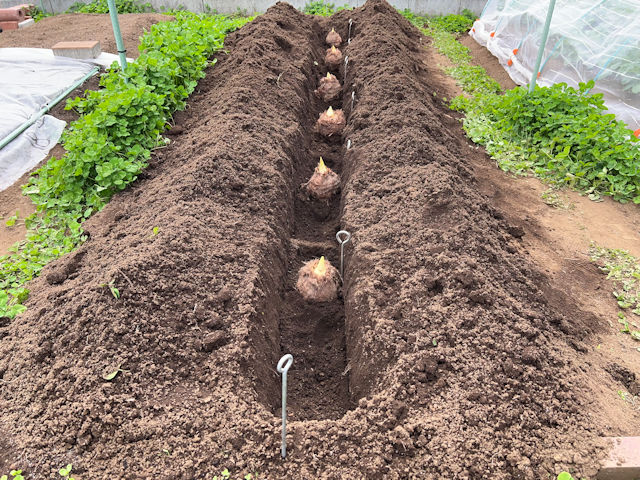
[(442, 358), (83, 26)]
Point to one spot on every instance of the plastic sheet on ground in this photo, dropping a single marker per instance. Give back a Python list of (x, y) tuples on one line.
[(30, 79), (588, 40)]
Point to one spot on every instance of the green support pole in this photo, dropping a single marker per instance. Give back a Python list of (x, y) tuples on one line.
[(543, 43), (113, 12)]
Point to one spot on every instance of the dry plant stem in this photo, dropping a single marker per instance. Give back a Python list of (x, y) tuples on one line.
[(318, 288)]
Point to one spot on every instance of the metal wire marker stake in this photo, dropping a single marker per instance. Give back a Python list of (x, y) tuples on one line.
[(353, 99), (342, 237), (349, 39), (346, 62), (283, 367)]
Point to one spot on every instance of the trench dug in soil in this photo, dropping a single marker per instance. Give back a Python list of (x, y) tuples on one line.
[(447, 355)]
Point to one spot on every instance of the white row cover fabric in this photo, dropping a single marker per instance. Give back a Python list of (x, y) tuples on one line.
[(30, 79), (588, 40), (28, 149)]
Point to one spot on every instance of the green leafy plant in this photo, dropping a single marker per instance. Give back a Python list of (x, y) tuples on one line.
[(469, 14), (113, 373), (110, 144), (66, 472), (11, 221), (558, 133), (319, 7), (112, 288), (474, 79), (452, 23), (38, 14), (15, 474), (564, 476)]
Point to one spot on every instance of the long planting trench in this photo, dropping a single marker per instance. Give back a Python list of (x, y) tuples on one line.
[(444, 355)]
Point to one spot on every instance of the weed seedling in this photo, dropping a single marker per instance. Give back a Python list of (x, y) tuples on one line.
[(11, 221), (111, 375), (66, 472), (565, 476), (15, 475), (112, 288)]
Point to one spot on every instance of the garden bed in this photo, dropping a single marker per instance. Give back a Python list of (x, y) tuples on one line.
[(448, 354), (82, 26)]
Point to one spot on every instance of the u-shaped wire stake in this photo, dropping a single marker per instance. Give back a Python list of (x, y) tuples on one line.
[(283, 367), (342, 237), (346, 62)]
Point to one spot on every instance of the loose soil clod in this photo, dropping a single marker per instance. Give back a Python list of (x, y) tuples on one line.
[(333, 38), (333, 58), (331, 122), (329, 88), (324, 182), (318, 281)]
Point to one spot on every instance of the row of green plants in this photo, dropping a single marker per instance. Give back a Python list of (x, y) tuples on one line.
[(558, 133), (110, 144), (443, 23), (97, 6), (124, 6), (323, 9), (561, 134), (101, 6), (623, 269), (444, 31)]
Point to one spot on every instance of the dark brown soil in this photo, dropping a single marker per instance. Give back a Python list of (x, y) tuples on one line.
[(451, 357), (83, 26)]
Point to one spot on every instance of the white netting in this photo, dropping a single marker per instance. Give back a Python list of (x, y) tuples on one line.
[(588, 40)]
